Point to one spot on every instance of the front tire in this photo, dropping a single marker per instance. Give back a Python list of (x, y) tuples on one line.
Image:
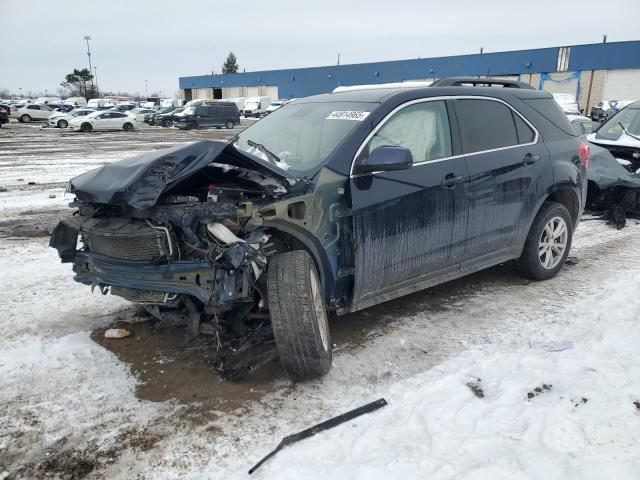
[(86, 127), (62, 124), (25, 118), (127, 127), (298, 315), (167, 123), (229, 124), (548, 243)]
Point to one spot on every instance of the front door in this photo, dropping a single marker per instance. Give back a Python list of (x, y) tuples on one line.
[(409, 225), (506, 169)]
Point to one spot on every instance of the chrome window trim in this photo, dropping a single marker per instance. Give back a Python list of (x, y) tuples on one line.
[(442, 98)]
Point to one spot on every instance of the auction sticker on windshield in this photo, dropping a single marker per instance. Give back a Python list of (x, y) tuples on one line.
[(347, 115)]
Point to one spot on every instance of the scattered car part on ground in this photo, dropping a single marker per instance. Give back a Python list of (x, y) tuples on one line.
[(335, 203), (321, 427)]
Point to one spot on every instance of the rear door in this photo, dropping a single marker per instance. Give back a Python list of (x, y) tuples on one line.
[(409, 225), (507, 166)]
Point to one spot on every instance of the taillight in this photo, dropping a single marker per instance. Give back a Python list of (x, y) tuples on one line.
[(584, 154)]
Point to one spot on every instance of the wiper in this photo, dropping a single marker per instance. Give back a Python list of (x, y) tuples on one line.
[(272, 156), (627, 131)]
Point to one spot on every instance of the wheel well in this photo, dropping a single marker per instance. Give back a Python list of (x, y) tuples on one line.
[(566, 197), (285, 241)]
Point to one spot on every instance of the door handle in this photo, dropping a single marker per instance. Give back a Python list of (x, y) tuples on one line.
[(530, 159), (451, 180)]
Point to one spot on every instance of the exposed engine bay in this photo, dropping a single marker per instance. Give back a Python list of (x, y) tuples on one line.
[(182, 237)]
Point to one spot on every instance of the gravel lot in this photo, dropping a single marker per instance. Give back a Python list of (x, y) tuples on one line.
[(76, 405)]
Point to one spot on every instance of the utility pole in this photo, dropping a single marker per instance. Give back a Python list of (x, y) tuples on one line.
[(604, 38), (86, 38), (146, 88), (95, 75), (338, 58)]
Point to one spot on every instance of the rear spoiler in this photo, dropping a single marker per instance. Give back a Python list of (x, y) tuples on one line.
[(480, 82)]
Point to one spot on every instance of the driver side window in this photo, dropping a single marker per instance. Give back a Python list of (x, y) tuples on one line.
[(423, 128)]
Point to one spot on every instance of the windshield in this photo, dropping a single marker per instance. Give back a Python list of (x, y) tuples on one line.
[(612, 129), (302, 136), (166, 110)]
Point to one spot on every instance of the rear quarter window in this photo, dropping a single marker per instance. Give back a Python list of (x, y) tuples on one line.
[(549, 109), (485, 125)]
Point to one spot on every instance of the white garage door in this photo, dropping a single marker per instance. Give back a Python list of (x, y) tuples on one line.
[(270, 91), (565, 82), (201, 93), (622, 85)]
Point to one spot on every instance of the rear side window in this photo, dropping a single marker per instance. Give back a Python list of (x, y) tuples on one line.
[(229, 110), (549, 109), (485, 125)]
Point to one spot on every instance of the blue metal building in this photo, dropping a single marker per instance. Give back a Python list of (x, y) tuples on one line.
[(578, 69)]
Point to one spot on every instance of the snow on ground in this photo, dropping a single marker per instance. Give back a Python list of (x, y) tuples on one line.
[(489, 376)]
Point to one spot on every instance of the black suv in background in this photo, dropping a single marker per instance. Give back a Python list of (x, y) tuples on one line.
[(335, 202), (214, 114)]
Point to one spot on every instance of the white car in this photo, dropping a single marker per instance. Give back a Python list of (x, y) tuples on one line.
[(102, 120), (61, 120), (31, 112), (139, 113), (276, 104)]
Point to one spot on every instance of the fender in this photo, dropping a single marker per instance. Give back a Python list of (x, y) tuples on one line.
[(315, 248)]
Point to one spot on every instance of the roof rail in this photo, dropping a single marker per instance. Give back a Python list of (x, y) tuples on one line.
[(480, 82)]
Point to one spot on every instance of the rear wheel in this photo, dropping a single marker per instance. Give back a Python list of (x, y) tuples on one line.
[(229, 124), (25, 118), (167, 123), (548, 243), (86, 127), (298, 315), (128, 126), (63, 124)]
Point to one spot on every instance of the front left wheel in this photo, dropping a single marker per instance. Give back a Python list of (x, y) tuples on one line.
[(298, 315), (229, 124), (128, 127), (548, 243)]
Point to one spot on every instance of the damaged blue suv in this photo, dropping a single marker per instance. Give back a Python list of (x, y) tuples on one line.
[(332, 203)]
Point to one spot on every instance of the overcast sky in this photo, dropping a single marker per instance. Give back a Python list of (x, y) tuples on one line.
[(134, 40)]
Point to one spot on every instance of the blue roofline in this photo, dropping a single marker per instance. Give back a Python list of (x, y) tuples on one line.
[(301, 82)]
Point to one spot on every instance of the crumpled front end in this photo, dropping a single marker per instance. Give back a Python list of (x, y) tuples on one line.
[(183, 240)]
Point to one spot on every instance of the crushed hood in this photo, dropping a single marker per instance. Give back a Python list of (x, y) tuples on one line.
[(139, 181), (607, 172)]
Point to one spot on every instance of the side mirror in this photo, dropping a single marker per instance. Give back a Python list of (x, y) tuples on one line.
[(386, 159)]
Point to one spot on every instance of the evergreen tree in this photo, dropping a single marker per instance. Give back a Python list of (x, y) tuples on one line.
[(230, 65)]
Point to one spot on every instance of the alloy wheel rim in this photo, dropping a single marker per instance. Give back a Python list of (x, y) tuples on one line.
[(318, 305), (553, 243)]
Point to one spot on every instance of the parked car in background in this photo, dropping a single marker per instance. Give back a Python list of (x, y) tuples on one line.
[(64, 108), (61, 120), (76, 102), (620, 134), (276, 104), (139, 113), (4, 117), (30, 112), (48, 101), (568, 103), (100, 104), (6, 108), (581, 124), (335, 203), (256, 106), (150, 117), (216, 114), (168, 119), (102, 120), (123, 107)]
